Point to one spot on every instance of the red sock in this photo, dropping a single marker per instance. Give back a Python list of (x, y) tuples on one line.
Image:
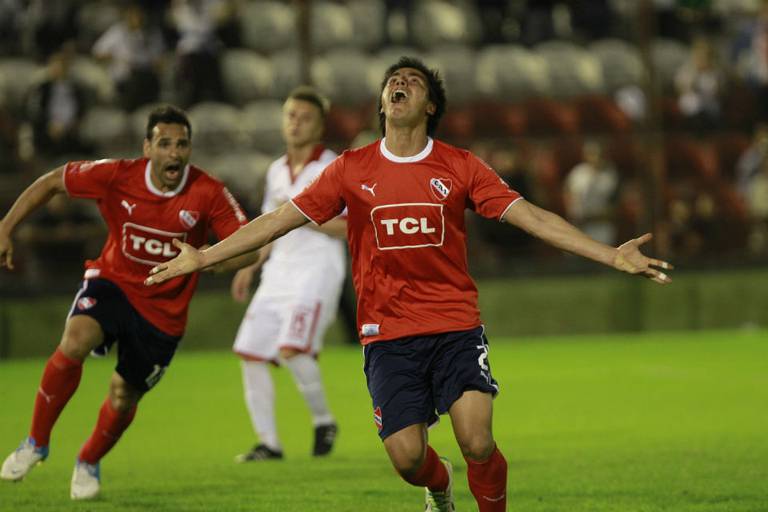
[(109, 428), (488, 482), (432, 473), (60, 380)]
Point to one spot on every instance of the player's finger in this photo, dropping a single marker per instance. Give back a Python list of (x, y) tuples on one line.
[(9, 259), (177, 243), (642, 239), (156, 269), (661, 264), (657, 276)]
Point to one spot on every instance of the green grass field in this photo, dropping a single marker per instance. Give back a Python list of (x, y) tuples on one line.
[(664, 422)]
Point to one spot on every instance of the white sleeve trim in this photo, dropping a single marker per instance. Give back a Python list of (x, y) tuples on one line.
[(501, 217), (64, 179), (304, 214)]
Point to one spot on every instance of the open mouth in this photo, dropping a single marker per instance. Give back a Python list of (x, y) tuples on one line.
[(173, 170), (398, 96)]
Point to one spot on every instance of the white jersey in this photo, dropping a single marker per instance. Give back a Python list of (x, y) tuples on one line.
[(300, 282), (303, 251)]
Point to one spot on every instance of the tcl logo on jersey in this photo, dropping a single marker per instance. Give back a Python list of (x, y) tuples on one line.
[(148, 245), (408, 225)]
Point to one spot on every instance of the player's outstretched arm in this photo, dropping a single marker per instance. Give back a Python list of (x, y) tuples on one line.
[(37, 194), (556, 231), (250, 237)]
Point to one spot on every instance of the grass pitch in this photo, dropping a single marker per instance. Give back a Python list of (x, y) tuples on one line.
[(663, 422)]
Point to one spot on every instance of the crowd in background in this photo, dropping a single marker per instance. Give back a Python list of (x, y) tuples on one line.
[(685, 154)]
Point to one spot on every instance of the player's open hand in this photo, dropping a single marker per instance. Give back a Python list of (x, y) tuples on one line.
[(189, 260), (630, 259)]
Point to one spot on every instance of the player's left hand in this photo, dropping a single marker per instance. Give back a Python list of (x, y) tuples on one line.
[(189, 260), (629, 259)]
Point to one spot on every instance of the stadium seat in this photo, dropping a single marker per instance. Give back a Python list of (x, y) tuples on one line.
[(546, 116), (620, 63), (262, 125), (498, 119), (243, 173), (572, 70), (667, 56), (437, 22), (286, 72), (247, 76), (342, 75), (345, 123), (138, 121), (93, 19), (106, 128), (216, 126), (95, 78), (457, 65), (510, 73), (367, 20), (601, 114), (730, 147), (17, 76), (688, 159), (267, 26), (331, 26)]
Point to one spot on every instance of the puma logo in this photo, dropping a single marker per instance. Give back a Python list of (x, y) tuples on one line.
[(125, 204), (369, 189), (45, 395)]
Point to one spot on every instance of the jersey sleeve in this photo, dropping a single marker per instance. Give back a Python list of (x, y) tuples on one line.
[(489, 195), (226, 214), (322, 200), (90, 179)]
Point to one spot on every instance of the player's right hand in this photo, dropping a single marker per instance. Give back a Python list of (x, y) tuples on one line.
[(6, 251), (189, 260), (241, 284)]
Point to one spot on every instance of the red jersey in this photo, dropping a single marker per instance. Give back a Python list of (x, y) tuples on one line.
[(406, 231), (142, 221)]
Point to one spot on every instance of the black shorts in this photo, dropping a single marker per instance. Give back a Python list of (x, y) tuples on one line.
[(143, 351), (415, 379)]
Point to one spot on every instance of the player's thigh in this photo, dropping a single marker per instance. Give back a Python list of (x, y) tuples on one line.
[(407, 447), (304, 322), (471, 417), (93, 317), (399, 385), (257, 336), (82, 334)]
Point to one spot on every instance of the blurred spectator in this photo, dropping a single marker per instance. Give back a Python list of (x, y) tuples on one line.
[(11, 16), (757, 206), (134, 50), (55, 108), (753, 159), (699, 83), (198, 49), (538, 21), (52, 24), (592, 19), (9, 141), (750, 53), (495, 15), (59, 238), (590, 192)]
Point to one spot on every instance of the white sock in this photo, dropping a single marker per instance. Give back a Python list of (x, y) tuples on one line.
[(306, 373), (260, 400)]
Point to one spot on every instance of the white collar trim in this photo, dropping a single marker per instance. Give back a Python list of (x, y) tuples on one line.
[(152, 188), (405, 159)]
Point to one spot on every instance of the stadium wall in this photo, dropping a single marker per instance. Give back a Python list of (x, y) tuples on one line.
[(512, 307)]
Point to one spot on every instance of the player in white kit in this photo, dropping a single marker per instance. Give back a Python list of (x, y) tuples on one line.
[(301, 279)]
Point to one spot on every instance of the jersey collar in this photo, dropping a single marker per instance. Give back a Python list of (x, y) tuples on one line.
[(317, 151), (152, 188), (405, 159)]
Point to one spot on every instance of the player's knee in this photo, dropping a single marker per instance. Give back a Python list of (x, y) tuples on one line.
[(407, 462), (122, 396), (80, 336), (477, 447)]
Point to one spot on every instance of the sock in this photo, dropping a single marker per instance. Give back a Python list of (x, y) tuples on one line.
[(431, 474), (488, 482), (306, 374), (60, 380), (109, 427), (260, 400)]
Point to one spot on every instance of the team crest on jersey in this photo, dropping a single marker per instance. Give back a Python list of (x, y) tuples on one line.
[(440, 187), (189, 218), (86, 303), (377, 418)]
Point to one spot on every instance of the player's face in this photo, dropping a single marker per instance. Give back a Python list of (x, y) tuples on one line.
[(405, 98), (302, 123), (169, 152)]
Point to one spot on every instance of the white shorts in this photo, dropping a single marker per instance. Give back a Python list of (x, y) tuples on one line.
[(275, 322)]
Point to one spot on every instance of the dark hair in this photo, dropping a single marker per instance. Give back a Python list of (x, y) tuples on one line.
[(434, 86), (170, 115), (311, 95)]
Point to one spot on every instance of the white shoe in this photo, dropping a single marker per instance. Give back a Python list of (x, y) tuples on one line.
[(26, 456), (86, 481), (442, 501)]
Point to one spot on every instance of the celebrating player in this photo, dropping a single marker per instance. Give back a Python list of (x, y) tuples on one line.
[(146, 203), (300, 287), (425, 348)]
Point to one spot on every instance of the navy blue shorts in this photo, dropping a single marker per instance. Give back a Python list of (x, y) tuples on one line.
[(143, 351), (415, 379)]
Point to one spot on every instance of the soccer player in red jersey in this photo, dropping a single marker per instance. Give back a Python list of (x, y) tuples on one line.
[(425, 348), (146, 203)]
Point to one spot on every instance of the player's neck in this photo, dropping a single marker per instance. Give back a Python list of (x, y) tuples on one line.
[(405, 142), (298, 156)]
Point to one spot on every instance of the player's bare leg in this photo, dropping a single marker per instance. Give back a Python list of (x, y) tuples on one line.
[(306, 374), (59, 382), (116, 414), (471, 416), (418, 464)]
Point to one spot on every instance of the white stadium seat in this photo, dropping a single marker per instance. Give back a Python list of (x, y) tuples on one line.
[(572, 70), (342, 76), (216, 126), (261, 122), (620, 62), (107, 128), (511, 73), (246, 75), (267, 26)]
